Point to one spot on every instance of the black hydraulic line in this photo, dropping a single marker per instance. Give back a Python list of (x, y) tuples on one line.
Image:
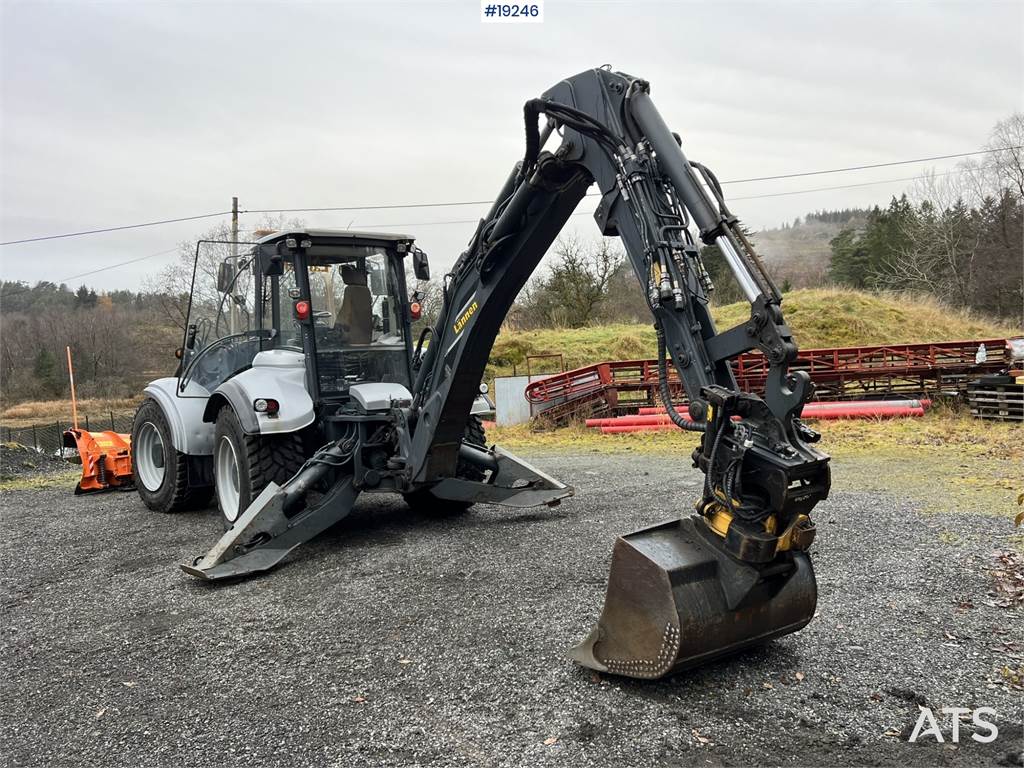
[(666, 395), (331, 456), (478, 457)]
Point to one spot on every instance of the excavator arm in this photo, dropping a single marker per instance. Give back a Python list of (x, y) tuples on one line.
[(651, 197), (732, 573), (735, 572)]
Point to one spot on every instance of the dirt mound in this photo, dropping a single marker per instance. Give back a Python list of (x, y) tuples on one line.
[(18, 460), (820, 317)]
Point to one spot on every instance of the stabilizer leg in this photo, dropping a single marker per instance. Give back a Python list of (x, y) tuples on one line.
[(513, 483), (278, 521)]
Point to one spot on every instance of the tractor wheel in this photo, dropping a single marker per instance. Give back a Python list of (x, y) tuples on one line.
[(244, 464), (161, 472), (424, 502)]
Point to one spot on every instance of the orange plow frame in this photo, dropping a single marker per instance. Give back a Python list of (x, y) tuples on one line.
[(106, 459), (106, 456)]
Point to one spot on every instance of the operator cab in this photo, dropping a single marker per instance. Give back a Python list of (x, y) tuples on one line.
[(340, 298), (337, 297)]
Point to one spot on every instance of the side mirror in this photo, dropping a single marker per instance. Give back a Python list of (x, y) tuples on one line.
[(273, 265), (420, 265), (225, 276)]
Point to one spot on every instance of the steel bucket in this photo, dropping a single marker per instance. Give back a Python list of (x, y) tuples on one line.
[(676, 600)]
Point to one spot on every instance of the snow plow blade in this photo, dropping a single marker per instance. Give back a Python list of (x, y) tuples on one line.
[(106, 459), (676, 600)]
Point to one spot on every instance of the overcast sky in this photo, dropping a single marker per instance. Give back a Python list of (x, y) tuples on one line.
[(116, 113)]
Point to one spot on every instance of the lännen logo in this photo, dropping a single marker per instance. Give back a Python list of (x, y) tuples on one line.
[(461, 322)]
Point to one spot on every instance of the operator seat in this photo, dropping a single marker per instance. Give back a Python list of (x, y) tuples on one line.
[(356, 314)]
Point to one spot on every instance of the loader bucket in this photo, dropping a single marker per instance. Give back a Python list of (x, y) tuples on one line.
[(676, 600), (105, 457)]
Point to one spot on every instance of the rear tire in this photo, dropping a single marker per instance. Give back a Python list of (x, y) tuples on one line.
[(426, 503), (161, 472), (243, 465)]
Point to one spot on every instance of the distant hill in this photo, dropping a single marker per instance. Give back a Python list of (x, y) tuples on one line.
[(822, 317), (800, 252)]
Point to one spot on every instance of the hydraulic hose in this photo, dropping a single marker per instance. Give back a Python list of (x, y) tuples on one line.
[(666, 395)]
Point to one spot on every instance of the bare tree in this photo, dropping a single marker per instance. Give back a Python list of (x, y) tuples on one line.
[(572, 291), (1007, 139), (174, 283), (942, 241)]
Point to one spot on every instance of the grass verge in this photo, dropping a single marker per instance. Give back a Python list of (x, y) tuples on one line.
[(35, 482), (947, 461), (820, 317), (47, 411)]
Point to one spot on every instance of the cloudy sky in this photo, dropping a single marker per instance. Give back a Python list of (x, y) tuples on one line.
[(116, 113)]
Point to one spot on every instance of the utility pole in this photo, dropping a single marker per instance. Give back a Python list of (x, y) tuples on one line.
[(233, 311)]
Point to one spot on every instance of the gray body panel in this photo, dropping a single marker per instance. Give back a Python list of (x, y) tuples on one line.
[(184, 412)]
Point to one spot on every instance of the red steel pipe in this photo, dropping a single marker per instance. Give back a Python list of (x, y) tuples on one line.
[(903, 403), (652, 423)]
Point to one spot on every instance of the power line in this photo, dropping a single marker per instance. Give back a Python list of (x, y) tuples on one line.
[(366, 207), (475, 221), (731, 199), (451, 204), (115, 229), (120, 264), (865, 167), (844, 186), (597, 194), (8, 294)]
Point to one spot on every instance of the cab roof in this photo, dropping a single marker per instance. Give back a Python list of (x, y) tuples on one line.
[(342, 235)]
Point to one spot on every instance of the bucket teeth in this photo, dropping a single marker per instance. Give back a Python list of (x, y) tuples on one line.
[(675, 600)]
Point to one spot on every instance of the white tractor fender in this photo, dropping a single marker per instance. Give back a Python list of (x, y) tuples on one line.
[(184, 414), (275, 375)]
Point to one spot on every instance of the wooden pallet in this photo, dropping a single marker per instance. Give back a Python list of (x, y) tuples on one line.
[(1001, 402)]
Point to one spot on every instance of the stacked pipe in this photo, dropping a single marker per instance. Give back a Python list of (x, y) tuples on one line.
[(655, 419)]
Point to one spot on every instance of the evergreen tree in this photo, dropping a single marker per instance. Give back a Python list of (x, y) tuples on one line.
[(863, 259), (85, 297), (46, 372)]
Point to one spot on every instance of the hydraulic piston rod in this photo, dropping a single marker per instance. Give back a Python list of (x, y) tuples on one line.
[(674, 164)]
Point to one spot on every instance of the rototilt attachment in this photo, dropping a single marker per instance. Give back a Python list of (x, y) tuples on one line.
[(677, 599)]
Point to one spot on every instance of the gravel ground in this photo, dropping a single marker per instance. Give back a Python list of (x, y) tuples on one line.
[(397, 640)]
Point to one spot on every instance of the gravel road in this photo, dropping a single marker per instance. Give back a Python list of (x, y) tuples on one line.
[(399, 640)]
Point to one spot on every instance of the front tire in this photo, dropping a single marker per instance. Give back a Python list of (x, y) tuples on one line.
[(160, 471), (243, 465)]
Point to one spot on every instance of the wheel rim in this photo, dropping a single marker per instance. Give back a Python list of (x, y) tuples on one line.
[(149, 456), (226, 478)]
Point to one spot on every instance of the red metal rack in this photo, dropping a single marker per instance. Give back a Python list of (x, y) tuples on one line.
[(842, 373)]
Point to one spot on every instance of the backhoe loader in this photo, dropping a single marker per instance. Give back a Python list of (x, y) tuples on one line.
[(317, 393)]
